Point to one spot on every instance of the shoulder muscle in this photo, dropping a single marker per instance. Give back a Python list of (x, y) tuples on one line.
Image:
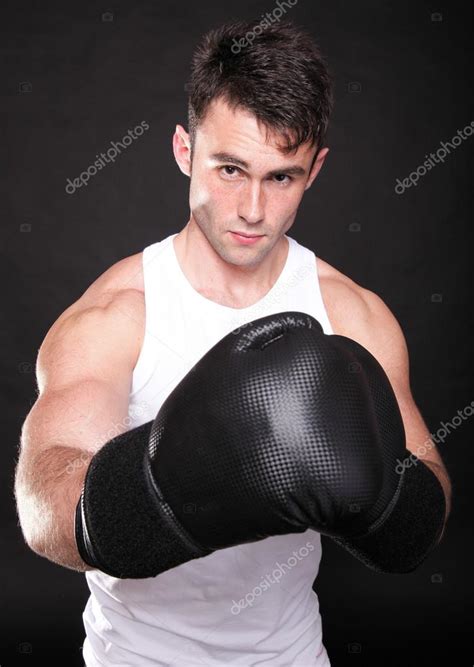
[(94, 342), (362, 315)]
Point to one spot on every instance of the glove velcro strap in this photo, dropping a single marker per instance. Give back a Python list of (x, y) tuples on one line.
[(123, 527), (408, 529)]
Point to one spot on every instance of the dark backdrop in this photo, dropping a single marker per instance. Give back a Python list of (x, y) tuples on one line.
[(75, 80)]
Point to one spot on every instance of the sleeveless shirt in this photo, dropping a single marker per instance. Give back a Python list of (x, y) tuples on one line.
[(251, 604)]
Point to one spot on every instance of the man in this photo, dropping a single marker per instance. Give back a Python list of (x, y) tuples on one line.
[(257, 122)]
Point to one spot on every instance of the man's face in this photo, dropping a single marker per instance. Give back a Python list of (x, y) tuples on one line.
[(240, 183)]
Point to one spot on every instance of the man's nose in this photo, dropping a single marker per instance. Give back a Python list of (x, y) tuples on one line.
[(252, 203)]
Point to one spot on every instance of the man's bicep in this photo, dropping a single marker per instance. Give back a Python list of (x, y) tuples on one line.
[(370, 322), (99, 342), (83, 415), (84, 373), (390, 348)]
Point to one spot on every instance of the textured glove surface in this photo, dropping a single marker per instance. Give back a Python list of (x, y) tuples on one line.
[(278, 428)]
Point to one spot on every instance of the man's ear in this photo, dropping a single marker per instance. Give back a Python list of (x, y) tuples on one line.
[(182, 150), (318, 163)]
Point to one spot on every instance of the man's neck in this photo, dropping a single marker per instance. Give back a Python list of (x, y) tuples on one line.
[(222, 282)]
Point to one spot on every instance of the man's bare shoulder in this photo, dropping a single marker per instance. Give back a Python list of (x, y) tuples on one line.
[(122, 281), (123, 276), (360, 314), (119, 289), (347, 303), (112, 308)]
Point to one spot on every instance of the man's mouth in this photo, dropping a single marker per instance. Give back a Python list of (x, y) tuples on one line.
[(248, 236), (246, 239)]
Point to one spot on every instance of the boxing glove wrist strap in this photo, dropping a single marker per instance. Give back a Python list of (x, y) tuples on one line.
[(410, 527), (122, 525)]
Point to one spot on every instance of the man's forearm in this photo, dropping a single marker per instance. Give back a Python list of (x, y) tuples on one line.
[(47, 490)]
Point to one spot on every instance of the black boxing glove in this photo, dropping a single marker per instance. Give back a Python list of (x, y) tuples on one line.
[(397, 532), (276, 429)]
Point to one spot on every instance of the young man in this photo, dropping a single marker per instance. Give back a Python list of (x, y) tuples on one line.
[(257, 125)]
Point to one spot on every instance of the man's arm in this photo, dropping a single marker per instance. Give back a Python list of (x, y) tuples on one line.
[(367, 320), (84, 371)]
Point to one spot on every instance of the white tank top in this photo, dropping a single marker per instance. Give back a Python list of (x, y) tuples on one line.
[(251, 604)]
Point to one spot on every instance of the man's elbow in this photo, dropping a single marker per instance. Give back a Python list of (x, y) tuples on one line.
[(443, 478), (44, 531), (58, 553)]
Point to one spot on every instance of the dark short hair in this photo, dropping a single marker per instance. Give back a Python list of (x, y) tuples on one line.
[(279, 75)]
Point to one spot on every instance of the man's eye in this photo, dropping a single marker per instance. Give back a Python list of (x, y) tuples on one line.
[(289, 178), (229, 166), (285, 178)]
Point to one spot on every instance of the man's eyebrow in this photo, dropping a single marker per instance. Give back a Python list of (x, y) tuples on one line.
[(226, 157)]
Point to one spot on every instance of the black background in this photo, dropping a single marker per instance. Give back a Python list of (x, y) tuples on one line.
[(72, 83)]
